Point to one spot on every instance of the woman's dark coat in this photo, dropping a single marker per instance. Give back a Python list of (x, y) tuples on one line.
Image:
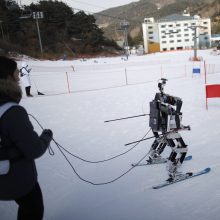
[(22, 145)]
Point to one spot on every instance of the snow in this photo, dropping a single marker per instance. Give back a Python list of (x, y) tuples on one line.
[(98, 92)]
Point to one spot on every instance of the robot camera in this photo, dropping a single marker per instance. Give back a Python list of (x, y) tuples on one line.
[(161, 84)]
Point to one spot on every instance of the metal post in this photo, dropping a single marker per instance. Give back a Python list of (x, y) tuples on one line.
[(124, 26), (194, 28), (126, 41), (3, 37), (195, 44), (39, 36), (36, 16)]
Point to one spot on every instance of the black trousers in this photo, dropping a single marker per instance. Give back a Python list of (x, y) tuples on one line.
[(28, 90), (31, 206)]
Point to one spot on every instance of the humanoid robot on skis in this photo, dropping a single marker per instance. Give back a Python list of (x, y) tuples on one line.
[(165, 122)]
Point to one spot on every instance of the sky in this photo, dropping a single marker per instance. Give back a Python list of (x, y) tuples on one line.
[(88, 5)]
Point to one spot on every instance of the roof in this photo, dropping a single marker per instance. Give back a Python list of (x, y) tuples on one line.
[(176, 17)]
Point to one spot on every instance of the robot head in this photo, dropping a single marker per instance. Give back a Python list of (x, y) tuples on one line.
[(24, 64), (161, 84)]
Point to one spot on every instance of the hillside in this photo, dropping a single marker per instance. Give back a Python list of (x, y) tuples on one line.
[(109, 20)]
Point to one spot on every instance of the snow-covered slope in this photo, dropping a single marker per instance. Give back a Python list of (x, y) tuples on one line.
[(109, 88)]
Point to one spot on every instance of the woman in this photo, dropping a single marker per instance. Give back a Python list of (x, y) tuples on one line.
[(21, 146)]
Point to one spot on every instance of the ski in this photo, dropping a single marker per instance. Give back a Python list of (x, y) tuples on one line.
[(160, 161), (184, 176)]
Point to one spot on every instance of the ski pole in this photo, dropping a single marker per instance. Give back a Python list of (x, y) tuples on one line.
[(118, 119), (174, 131), (134, 142), (39, 93)]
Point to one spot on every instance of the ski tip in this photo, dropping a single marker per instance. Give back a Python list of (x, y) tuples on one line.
[(189, 157), (208, 169)]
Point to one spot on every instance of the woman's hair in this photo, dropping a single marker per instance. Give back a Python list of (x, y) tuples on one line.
[(7, 67)]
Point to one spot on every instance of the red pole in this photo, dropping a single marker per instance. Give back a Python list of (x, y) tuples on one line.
[(205, 86), (67, 79)]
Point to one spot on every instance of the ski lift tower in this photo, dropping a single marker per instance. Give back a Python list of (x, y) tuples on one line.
[(194, 28), (124, 25), (38, 15)]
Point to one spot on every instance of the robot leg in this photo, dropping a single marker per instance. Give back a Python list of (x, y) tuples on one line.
[(177, 155), (156, 149)]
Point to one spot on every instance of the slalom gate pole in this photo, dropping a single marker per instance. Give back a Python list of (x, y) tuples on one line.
[(67, 79)]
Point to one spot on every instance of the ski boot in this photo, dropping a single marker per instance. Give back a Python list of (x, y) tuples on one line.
[(155, 157), (172, 169)]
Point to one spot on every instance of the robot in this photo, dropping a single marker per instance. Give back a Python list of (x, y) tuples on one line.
[(165, 122)]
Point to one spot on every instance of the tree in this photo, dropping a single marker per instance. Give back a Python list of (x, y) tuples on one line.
[(60, 29)]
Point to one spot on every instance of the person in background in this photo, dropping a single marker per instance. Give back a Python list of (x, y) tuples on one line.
[(25, 78), (20, 145)]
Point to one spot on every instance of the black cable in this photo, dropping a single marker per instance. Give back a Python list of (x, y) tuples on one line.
[(103, 183), (74, 170), (51, 152), (101, 161), (89, 161)]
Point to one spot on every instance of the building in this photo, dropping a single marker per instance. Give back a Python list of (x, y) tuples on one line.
[(176, 32), (215, 40)]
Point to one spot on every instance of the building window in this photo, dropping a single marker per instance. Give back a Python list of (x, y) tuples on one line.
[(185, 24), (178, 25), (163, 26), (193, 23), (205, 22), (164, 42), (162, 31), (151, 38), (150, 27), (186, 35), (172, 48), (178, 35), (179, 40), (170, 25), (163, 36), (171, 41), (186, 29), (164, 49), (186, 40), (150, 32), (171, 36)]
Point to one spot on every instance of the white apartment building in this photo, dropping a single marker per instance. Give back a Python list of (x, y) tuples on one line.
[(176, 32)]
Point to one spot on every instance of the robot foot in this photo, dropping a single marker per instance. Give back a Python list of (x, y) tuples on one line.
[(172, 169)]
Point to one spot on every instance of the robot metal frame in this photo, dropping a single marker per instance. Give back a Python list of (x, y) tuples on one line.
[(165, 122)]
